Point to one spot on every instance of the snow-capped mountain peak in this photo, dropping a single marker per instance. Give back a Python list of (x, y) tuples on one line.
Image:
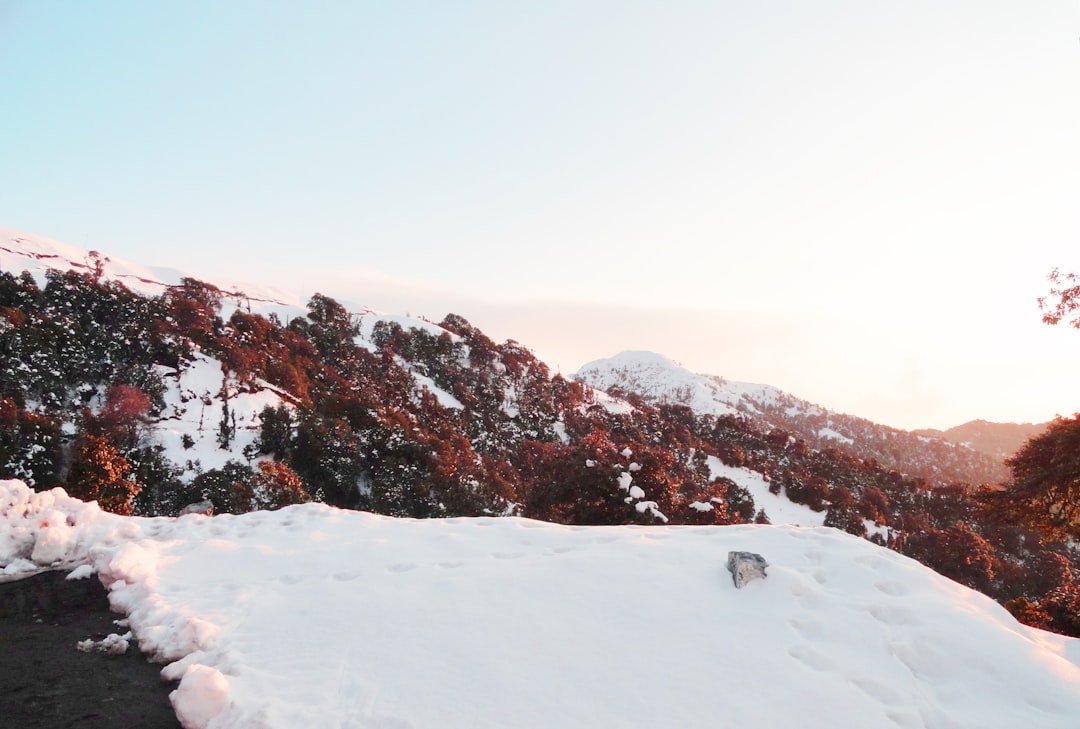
[(659, 379)]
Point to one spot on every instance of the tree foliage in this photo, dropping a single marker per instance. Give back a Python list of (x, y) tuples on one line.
[(100, 474), (1063, 301), (1045, 492)]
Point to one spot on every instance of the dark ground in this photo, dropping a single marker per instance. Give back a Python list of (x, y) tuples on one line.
[(46, 683)]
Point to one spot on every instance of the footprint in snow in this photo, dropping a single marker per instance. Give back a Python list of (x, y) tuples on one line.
[(1048, 705), (892, 615), (810, 658), (558, 550), (883, 693), (806, 627), (890, 587)]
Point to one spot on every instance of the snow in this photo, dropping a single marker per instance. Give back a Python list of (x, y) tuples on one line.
[(609, 403), (834, 435), (314, 617), (776, 506), (660, 380), (81, 572), (442, 396), (369, 318), (663, 380), (193, 408), (22, 251), (113, 644)]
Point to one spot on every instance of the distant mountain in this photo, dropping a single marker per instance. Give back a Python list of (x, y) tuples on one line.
[(655, 379), (999, 440)]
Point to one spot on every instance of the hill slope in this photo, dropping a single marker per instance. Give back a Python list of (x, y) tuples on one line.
[(999, 440), (657, 380)]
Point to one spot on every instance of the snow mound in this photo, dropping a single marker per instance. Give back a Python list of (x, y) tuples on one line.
[(312, 617)]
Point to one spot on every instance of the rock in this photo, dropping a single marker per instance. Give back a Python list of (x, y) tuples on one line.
[(203, 507), (746, 567)]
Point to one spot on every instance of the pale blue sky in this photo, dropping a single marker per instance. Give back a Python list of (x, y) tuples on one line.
[(727, 183)]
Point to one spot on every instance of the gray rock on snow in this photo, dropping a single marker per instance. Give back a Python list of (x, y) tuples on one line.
[(746, 567), (202, 507)]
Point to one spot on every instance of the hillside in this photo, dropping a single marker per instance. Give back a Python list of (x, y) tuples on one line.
[(999, 440), (935, 458), (484, 623), (180, 392)]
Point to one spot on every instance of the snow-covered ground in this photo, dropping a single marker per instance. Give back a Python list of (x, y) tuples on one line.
[(315, 617), (777, 507)]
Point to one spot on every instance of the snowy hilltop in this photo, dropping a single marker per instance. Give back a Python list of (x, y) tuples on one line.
[(656, 379), (311, 616)]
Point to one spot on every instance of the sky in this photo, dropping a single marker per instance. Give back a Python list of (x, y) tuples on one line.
[(310, 616), (857, 202)]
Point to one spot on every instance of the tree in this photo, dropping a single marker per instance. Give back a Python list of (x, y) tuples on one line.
[(1066, 291), (30, 445), (740, 502), (275, 485), (100, 474), (123, 415), (194, 307), (843, 512), (227, 425), (230, 487), (277, 431), (1045, 492), (331, 327), (958, 552)]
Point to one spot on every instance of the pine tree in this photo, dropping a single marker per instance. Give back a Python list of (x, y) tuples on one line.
[(227, 425)]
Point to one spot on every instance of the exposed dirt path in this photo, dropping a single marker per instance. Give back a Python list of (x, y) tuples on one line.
[(45, 682)]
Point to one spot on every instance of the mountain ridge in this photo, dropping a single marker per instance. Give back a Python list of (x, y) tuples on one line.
[(658, 379), (1000, 440)]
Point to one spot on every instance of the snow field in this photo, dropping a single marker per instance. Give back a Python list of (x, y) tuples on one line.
[(777, 507), (316, 617)]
